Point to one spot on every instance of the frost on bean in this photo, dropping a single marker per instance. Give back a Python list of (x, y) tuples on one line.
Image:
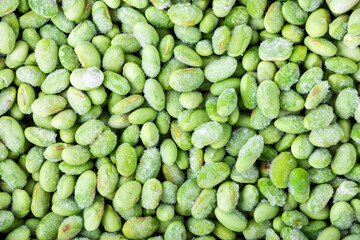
[(276, 49), (87, 79), (249, 153), (7, 42), (206, 134), (185, 14), (214, 71), (46, 8)]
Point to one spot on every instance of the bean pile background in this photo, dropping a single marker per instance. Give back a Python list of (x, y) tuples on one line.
[(137, 119)]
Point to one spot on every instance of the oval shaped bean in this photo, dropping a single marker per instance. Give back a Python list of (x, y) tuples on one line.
[(186, 80), (275, 195), (275, 49), (281, 168), (212, 174), (140, 227), (7, 38), (267, 97), (214, 71), (344, 159), (206, 134), (234, 221), (185, 14), (249, 153), (85, 189)]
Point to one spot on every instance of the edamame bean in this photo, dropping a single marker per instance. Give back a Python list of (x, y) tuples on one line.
[(48, 226), (212, 174), (85, 189), (234, 221), (276, 49), (248, 155), (267, 97), (344, 159), (341, 215), (319, 197), (281, 168), (70, 227), (185, 14), (275, 195), (212, 70)]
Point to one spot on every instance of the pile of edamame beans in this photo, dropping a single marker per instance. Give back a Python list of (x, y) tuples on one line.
[(179, 119)]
